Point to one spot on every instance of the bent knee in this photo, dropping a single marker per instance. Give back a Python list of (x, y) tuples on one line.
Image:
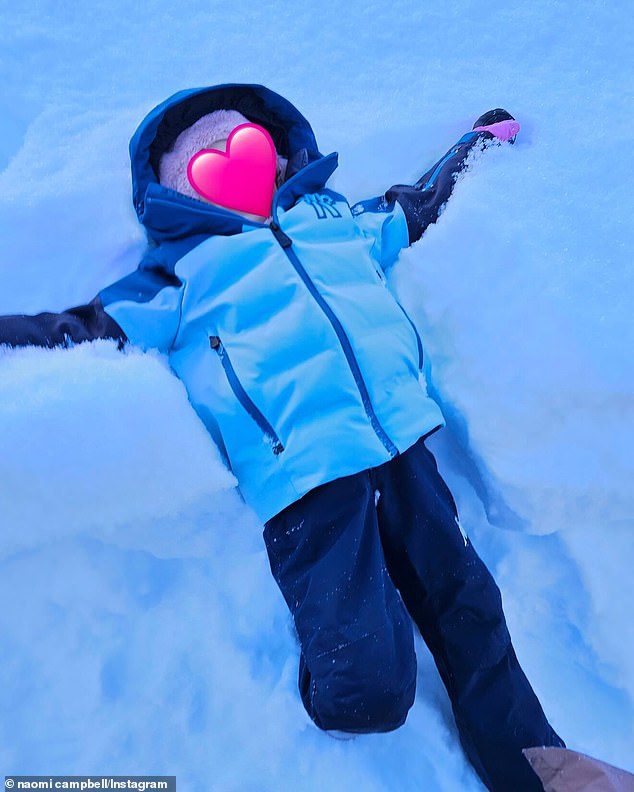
[(363, 698), (366, 685), (360, 708)]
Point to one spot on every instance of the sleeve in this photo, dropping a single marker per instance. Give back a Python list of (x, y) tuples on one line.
[(400, 217), (83, 323), (423, 202), (385, 225), (147, 306), (143, 308)]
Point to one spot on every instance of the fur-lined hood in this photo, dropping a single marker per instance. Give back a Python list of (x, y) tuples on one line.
[(212, 129), (168, 215)]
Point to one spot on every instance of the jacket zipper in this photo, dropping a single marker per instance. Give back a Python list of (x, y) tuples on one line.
[(243, 397), (286, 243)]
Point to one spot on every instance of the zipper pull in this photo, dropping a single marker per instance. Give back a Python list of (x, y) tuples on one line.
[(214, 342), (285, 241)]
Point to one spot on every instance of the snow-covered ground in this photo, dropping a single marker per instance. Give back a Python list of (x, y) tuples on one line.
[(140, 628)]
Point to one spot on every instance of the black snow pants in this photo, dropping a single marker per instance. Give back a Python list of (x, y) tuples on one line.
[(355, 559)]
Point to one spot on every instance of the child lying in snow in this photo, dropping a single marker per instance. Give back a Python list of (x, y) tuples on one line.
[(307, 372)]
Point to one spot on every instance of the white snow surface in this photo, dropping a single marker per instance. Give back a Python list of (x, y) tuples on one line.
[(140, 628)]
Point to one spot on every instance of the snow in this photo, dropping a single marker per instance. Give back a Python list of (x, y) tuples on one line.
[(141, 629)]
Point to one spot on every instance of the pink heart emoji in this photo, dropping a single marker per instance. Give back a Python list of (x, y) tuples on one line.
[(240, 178)]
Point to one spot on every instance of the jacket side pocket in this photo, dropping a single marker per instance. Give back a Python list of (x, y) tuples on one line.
[(243, 397)]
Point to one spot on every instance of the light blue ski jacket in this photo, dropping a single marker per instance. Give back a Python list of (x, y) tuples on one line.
[(294, 352)]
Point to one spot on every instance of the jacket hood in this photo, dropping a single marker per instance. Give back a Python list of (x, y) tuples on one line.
[(168, 215)]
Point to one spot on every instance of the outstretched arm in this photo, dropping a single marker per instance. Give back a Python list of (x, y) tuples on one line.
[(401, 216), (143, 307), (84, 323), (423, 201)]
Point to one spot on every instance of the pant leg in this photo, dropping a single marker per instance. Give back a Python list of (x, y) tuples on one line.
[(358, 665), (457, 606)]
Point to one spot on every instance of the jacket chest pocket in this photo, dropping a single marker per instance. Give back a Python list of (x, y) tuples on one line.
[(243, 397)]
